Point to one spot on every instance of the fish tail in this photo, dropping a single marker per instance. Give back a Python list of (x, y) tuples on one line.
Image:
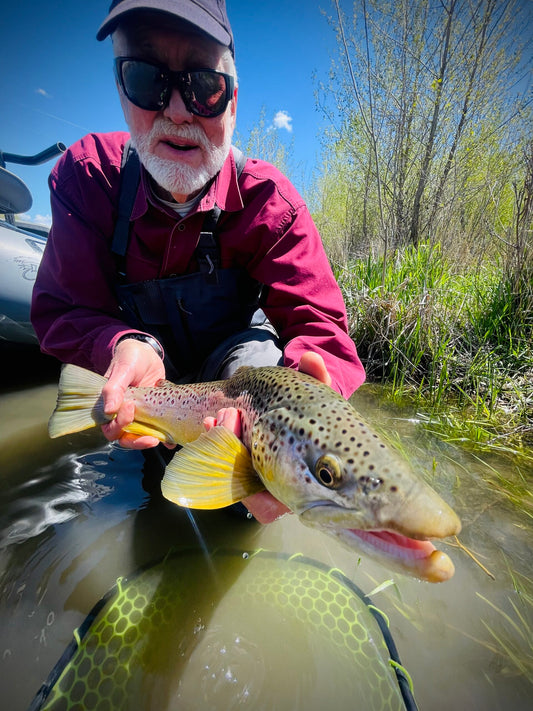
[(79, 402)]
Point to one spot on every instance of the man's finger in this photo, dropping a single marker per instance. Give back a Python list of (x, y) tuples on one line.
[(228, 417), (264, 507), (313, 364), (125, 415), (130, 441)]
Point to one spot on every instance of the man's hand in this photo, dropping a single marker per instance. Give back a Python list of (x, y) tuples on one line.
[(134, 363), (264, 507)]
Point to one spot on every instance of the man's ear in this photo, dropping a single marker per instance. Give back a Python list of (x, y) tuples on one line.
[(233, 108)]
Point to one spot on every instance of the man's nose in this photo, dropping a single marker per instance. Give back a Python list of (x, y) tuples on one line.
[(176, 110)]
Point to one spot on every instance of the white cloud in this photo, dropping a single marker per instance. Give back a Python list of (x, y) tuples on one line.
[(283, 120), (43, 92), (45, 220)]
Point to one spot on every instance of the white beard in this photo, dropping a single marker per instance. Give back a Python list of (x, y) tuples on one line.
[(173, 176)]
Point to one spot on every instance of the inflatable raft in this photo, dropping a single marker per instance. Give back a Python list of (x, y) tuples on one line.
[(21, 248)]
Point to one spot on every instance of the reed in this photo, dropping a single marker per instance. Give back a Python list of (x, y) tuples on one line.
[(511, 635), (453, 337)]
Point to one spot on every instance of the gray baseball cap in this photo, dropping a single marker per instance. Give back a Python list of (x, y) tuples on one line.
[(209, 16)]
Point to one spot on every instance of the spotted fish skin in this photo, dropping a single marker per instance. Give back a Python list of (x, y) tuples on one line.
[(306, 422), (301, 441)]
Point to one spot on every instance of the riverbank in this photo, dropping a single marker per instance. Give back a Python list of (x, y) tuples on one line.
[(452, 337)]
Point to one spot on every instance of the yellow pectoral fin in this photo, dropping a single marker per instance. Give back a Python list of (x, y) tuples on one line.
[(212, 472)]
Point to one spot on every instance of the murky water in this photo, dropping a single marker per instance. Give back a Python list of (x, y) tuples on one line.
[(76, 514)]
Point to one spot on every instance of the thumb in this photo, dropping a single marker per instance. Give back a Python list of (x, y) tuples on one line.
[(114, 390)]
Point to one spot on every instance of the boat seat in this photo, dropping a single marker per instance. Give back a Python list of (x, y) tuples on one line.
[(15, 196)]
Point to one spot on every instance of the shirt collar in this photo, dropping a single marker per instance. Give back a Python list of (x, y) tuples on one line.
[(224, 191)]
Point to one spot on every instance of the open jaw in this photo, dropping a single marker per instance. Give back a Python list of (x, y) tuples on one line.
[(416, 557)]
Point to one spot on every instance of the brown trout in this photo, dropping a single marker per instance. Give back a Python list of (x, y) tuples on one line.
[(301, 441)]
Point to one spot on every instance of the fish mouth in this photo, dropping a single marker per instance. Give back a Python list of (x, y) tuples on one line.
[(417, 557), (406, 548), (395, 544)]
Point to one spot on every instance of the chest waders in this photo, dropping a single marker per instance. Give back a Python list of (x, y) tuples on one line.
[(193, 314)]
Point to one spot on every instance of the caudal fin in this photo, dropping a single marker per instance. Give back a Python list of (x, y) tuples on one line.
[(79, 402)]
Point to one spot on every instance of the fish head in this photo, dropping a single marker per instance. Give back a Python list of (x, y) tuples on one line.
[(331, 469)]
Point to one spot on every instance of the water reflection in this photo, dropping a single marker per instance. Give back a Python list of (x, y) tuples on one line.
[(45, 501), (76, 514)]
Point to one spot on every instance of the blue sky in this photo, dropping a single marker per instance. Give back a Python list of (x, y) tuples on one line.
[(57, 84)]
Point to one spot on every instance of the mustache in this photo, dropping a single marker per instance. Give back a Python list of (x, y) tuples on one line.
[(163, 128)]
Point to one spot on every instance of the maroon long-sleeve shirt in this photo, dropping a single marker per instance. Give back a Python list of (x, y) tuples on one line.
[(265, 227)]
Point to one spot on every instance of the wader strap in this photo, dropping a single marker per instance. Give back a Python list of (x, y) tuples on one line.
[(207, 252), (129, 182)]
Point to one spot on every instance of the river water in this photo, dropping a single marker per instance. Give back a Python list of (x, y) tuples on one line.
[(77, 513)]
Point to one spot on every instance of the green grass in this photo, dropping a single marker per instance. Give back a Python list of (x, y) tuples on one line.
[(454, 339), (511, 635)]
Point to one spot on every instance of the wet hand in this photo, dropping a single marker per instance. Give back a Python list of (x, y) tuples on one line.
[(134, 363)]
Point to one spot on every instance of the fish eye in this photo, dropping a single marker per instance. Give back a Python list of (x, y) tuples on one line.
[(328, 471)]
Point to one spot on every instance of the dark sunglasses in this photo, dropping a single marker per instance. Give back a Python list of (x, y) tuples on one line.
[(205, 92)]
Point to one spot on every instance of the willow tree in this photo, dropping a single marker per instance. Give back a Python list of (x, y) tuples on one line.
[(413, 94), (265, 142)]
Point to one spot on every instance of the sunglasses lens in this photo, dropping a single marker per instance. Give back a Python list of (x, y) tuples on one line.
[(206, 93), (143, 84), (148, 86)]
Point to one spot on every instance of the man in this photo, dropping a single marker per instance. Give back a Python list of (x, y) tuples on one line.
[(213, 263)]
